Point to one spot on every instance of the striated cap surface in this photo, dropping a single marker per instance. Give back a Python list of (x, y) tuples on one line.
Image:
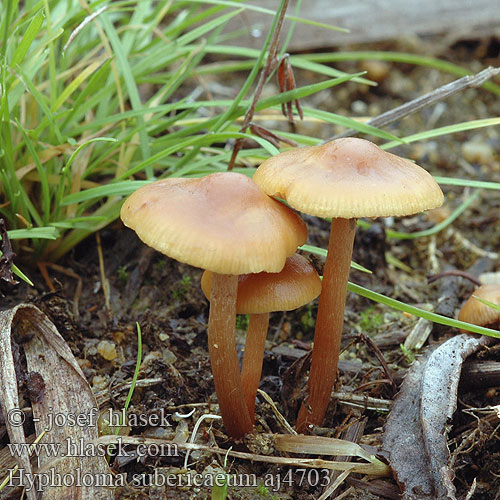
[(478, 313), (222, 222), (294, 286), (348, 178)]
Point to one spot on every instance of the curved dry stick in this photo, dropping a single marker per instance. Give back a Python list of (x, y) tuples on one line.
[(454, 272)]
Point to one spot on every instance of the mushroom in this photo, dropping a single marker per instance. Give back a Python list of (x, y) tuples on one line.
[(259, 294), (225, 223), (478, 313), (343, 179)]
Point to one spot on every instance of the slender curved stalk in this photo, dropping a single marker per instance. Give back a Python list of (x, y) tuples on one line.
[(329, 322), (223, 356), (251, 370)]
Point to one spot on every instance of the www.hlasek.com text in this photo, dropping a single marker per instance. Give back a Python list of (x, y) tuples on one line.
[(82, 448)]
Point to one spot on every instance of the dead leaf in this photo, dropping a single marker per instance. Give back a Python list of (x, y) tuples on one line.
[(286, 82), (64, 405), (415, 432)]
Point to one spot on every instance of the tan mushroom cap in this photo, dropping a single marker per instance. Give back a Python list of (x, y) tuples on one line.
[(222, 222), (296, 285), (478, 313), (348, 178)]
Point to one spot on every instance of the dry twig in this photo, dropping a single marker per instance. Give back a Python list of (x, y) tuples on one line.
[(266, 71), (432, 97)]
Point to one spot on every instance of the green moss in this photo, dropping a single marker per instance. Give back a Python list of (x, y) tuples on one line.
[(182, 288), (242, 321), (307, 320), (123, 274), (370, 320)]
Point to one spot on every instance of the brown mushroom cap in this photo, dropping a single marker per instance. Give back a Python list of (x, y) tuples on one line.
[(478, 313), (223, 222), (297, 284), (348, 178)]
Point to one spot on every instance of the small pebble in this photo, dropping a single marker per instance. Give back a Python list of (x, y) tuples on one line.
[(92, 350), (377, 71), (490, 278), (107, 350), (477, 152), (491, 393), (84, 363), (158, 432), (169, 357), (99, 383), (182, 432), (108, 422), (359, 107), (118, 336), (438, 215), (150, 358)]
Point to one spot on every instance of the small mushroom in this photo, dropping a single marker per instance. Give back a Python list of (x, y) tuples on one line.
[(343, 179), (259, 294), (478, 313), (225, 223)]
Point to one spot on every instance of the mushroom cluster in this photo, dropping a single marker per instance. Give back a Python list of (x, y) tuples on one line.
[(231, 226), (343, 179), (297, 284), (226, 224)]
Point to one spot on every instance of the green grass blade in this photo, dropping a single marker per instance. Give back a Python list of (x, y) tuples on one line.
[(433, 230), (96, 82), (435, 318), (156, 111), (42, 102), (304, 91), (296, 61), (43, 233), (21, 275), (8, 12), (83, 145), (109, 209), (263, 10), (27, 40), (203, 140), (450, 181), (401, 57), (350, 123), (75, 84), (224, 118), (322, 69), (487, 303), (130, 84), (449, 129), (45, 198), (79, 222), (122, 188), (323, 253), (195, 33)]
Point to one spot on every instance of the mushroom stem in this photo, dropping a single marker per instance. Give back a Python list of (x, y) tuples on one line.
[(223, 356), (329, 322), (252, 359)]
